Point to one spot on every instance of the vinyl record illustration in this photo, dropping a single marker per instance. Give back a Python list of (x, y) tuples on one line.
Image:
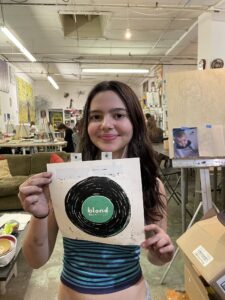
[(98, 206)]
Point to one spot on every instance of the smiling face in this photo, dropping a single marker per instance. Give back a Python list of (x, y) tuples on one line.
[(109, 126)]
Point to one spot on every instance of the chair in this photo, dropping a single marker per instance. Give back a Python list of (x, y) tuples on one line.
[(170, 176)]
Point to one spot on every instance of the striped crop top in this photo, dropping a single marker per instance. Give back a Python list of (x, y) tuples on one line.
[(96, 268)]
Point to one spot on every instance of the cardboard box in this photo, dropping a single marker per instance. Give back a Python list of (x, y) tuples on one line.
[(195, 287), (204, 246)]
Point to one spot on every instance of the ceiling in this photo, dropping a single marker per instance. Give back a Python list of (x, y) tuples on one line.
[(66, 36)]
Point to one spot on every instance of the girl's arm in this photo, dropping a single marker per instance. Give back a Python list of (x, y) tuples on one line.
[(40, 240), (158, 243), (42, 231)]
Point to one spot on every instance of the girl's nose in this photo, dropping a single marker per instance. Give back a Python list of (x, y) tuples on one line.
[(107, 122)]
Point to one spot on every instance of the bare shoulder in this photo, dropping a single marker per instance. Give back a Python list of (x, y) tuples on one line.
[(163, 222), (161, 190)]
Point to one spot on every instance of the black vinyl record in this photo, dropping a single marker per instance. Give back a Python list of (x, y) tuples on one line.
[(103, 187)]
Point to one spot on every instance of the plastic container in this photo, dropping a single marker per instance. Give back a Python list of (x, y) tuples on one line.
[(8, 256)]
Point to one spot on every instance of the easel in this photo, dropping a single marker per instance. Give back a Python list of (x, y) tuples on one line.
[(203, 164), (21, 132), (9, 127)]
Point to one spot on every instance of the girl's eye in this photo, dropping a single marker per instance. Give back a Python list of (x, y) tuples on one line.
[(94, 117), (119, 116)]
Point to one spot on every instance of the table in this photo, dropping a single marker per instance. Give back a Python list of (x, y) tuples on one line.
[(32, 144), (8, 271)]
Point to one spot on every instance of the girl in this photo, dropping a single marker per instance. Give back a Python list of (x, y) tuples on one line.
[(113, 122)]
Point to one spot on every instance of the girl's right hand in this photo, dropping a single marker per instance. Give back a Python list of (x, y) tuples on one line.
[(34, 194)]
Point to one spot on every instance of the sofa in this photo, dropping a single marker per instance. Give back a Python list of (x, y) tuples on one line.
[(21, 167)]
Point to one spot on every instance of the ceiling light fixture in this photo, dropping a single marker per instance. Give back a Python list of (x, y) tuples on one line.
[(128, 34), (6, 31), (116, 71), (52, 81)]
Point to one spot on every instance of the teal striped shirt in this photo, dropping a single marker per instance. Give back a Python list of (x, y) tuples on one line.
[(97, 268)]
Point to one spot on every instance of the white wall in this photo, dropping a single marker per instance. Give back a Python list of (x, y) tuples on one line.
[(56, 99), (9, 103), (211, 31)]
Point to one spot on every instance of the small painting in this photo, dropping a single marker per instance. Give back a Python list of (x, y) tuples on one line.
[(185, 142)]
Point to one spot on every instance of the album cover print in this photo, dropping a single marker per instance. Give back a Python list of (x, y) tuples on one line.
[(99, 200)]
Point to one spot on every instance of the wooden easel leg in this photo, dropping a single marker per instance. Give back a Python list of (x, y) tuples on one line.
[(206, 189), (223, 187)]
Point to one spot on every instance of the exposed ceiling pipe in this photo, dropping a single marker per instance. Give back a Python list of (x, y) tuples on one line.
[(113, 5), (94, 62)]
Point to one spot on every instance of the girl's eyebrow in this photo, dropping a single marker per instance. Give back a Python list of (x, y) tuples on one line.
[(111, 110)]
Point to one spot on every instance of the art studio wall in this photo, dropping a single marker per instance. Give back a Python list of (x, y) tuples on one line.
[(196, 99), (9, 106)]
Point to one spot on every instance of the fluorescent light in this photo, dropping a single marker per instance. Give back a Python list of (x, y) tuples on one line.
[(128, 34), (117, 71), (52, 81), (18, 44)]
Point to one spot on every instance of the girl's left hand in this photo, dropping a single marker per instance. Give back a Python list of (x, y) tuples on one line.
[(158, 244)]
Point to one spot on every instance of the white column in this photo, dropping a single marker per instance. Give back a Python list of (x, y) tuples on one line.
[(211, 37)]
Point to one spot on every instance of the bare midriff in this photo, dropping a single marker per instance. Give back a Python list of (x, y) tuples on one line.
[(135, 292)]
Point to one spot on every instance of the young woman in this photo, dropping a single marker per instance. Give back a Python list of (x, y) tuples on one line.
[(113, 122)]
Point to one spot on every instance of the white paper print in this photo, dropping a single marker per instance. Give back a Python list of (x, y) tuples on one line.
[(212, 140), (99, 200)]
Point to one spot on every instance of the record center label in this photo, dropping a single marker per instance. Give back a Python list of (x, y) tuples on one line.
[(97, 209)]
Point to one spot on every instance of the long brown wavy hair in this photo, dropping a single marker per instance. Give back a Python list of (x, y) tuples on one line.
[(139, 146)]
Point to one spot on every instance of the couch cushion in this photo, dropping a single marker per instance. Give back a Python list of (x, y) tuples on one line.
[(55, 158), (40, 160), (10, 186), (4, 169), (19, 165)]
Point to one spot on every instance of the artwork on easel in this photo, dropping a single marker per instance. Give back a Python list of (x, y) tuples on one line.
[(99, 200), (212, 140), (185, 142)]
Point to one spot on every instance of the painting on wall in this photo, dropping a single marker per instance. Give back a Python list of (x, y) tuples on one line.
[(55, 117), (99, 200), (4, 76), (25, 101)]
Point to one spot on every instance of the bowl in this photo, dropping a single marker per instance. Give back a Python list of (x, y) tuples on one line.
[(8, 243)]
